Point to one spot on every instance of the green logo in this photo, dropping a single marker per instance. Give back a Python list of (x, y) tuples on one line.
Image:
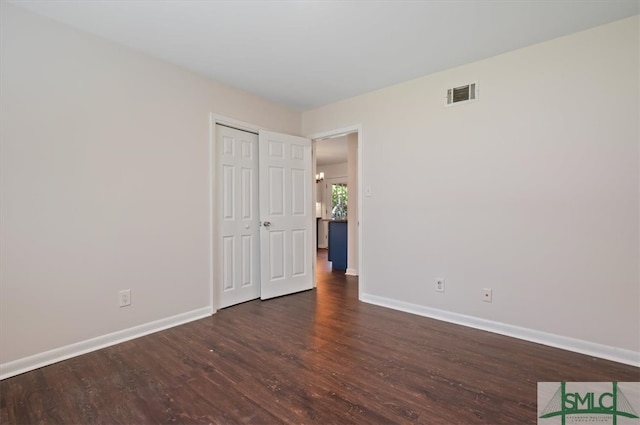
[(589, 403)]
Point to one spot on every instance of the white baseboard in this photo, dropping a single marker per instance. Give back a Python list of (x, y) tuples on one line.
[(558, 341), (46, 358), (351, 272)]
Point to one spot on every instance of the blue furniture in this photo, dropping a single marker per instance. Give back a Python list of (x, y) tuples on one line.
[(338, 244)]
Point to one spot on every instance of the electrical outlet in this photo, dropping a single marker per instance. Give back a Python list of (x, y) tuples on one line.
[(440, 285), (487, 295), (125, 297)]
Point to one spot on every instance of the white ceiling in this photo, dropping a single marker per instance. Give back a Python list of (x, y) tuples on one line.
[(305, 54), (331, 151)]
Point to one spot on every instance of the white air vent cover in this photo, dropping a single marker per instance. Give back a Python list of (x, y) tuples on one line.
[(462, 94)]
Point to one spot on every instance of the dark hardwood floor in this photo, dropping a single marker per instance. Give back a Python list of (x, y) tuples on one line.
[(317, 357)]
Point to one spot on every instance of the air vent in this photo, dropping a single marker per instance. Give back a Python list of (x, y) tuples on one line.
[(462, 94)]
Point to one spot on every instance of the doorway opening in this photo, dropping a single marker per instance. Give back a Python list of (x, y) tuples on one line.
[(337, 160)]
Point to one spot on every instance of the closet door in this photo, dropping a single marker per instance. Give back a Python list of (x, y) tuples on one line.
[(239, 215), (287, 219)]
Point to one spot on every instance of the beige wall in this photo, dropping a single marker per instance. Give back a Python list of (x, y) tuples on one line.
[(532, 191), (105, 184), (333, 170)]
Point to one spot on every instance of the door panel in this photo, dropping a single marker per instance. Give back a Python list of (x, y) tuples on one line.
[(298, 249), (285, 211), (240, 226), (276, 254)]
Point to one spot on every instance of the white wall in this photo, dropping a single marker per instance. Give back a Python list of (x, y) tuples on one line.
[(532, 191), (105, 168)]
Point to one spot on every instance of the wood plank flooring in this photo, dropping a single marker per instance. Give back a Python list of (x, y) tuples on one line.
[(317, 357)]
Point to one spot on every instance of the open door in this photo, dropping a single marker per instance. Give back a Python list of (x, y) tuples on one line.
[(286, 216)]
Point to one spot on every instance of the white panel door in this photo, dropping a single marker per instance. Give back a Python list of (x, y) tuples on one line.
[(285, 212), (240, 223)]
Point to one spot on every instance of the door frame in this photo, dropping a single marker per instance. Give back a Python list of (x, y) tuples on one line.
[(215, 222), (355, 128)]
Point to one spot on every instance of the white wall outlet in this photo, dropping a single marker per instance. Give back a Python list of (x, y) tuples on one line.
[(125, 297), (487, 295), (440, 285)]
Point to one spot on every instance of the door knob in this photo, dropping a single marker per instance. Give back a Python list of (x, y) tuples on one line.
[(266, 224)]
